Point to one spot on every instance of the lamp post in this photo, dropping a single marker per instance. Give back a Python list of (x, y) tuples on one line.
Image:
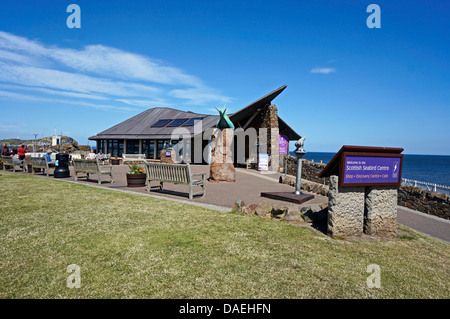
[(34, 144), (299, 152)]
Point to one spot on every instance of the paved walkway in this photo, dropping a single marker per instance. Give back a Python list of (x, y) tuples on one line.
[(248, 187), (430, 225)]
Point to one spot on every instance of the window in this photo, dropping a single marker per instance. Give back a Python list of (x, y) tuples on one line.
[(160, 146), (148, 148), (101, 145), (115, 147), (132, 146)]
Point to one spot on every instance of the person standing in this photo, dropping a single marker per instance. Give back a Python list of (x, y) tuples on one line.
[(5, 151), (21, 152)]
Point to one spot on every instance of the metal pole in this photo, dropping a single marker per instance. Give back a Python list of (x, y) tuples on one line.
[(300, 152), (298, 182)]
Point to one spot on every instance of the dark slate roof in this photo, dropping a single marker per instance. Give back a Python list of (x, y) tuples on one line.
[(139, 126), (258, 104)]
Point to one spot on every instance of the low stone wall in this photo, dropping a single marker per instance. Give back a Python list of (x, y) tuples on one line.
[(310, 170), (422, 200), (308, 186), (432, 203)]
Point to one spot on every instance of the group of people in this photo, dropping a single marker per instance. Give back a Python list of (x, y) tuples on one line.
[(18, 155), (100, 156)]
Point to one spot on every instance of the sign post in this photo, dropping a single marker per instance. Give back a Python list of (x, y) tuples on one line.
[(296, 197), (363, 190)]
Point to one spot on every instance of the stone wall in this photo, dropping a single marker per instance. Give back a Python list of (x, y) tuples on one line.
[(428, 202), (422, 200), (267, 118), (309, 186), (310, 170)]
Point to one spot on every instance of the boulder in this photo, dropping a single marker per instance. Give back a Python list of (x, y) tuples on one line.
[(222, 172), (250, 209), (239, 205), (314, 214), (264, 208), (293, 213), (279, 211)]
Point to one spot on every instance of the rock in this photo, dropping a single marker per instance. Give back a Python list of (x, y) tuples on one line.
[(264, 208), (250, 209), (304, 209), (279, 211), (239, 205), (314, 214), (292, 213), (222, 172), (307, 216), (222, 164)]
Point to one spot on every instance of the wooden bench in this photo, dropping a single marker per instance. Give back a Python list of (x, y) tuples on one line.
[(92, 167), (40, 162), (133, 158), (9, 161), (174, 173)]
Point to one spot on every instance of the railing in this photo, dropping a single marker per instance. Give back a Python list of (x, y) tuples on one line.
[(428, 186)]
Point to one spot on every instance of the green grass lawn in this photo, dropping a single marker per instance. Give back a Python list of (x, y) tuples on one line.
[(133, 246)]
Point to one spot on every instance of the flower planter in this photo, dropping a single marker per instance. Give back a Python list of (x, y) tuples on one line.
[(115, 162), (136, 180)]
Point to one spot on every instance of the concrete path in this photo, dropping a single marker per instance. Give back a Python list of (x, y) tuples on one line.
[(430, 225), (248, 187)]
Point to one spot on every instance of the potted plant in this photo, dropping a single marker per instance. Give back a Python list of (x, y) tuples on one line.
[(136, 176)]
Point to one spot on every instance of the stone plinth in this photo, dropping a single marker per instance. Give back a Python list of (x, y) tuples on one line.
[(222, 165), (345, 210), (166, 157), (381, 211)]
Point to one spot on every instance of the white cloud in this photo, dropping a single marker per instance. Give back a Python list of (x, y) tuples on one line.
[(5, 95), (199, 96), (323, 70), (97, 72)]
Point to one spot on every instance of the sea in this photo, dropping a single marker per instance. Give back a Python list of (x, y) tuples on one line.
[(433, 169)]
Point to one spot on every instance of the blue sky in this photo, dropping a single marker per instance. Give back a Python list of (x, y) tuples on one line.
[(346, 84)]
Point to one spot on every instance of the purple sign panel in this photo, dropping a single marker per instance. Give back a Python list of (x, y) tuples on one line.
[(371, 170), (283, 144)]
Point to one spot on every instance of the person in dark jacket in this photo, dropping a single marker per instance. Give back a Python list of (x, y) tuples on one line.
[(5, 151)]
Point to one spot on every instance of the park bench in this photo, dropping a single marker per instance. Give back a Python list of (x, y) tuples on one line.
[(175, 173), (9, 161), (40, 162), (92, 167), (133, 158)]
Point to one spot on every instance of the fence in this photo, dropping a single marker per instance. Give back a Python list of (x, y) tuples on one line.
[(428, 186)]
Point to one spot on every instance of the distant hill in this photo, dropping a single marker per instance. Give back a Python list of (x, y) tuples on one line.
[(45, 141), (69, 145)]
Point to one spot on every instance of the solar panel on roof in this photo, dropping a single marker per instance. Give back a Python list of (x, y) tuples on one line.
[(161, 123), (177, 122), (192, 121)]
